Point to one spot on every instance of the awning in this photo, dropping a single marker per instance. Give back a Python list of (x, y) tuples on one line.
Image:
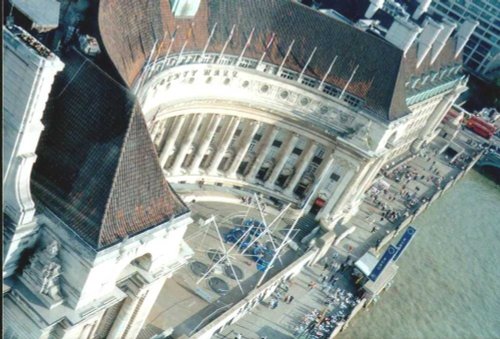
[(319, 202), (366, 263)]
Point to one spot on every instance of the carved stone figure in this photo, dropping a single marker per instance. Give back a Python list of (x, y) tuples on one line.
[(42, 275)]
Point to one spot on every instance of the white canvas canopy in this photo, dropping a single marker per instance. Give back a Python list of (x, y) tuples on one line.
[(366, 263)]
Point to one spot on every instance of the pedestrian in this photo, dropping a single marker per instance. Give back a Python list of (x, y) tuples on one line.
[(373, 229), (286, 298), (290, 299), (311, 285), (326, 266)]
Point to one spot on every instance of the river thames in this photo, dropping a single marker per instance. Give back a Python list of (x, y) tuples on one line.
[(448, 285)]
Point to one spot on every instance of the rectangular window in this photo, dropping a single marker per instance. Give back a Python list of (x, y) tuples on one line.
[(317, 160), (334, 177), (238, 132), (297, 151), (277, 143), (257, 137)]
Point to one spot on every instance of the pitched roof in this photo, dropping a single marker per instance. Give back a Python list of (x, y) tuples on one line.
[(97, 168), (129, 29)]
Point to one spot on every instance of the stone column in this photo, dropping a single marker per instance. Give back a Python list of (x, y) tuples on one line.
[(225, 142), (283, 157), (438, 114), (123, 318), (167, 149), (368, 180), (186, 144), (301, 166), (434, 119), (251, 129), (271, 133), (326, 164), (203, 147), (341, 192)]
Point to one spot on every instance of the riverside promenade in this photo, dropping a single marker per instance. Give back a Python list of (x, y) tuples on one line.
[(399, 194)]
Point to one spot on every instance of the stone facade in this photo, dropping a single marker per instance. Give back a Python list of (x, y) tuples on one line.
[(239, 115), (233, 126)]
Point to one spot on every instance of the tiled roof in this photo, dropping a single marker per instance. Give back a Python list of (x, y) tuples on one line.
[(129, 28), (97, 168)]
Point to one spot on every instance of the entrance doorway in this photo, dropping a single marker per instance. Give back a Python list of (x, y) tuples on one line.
[(316, 207)]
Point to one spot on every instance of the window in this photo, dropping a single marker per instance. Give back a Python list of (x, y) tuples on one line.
[(257, 137), (277, 143), (331, 91), (309, 82), (238, 132), (317, 160), (297, 151), (334, 177)]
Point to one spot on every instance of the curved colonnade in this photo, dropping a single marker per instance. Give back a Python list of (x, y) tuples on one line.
[(224, 126)]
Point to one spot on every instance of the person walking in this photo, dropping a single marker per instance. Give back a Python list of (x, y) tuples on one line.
[(290, 299)]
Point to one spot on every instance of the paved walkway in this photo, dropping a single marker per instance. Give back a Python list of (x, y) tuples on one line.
[(415, 179), (285, 320)]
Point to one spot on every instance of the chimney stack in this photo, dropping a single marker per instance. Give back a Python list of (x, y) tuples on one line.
[(427, 38), (464, 32), (375, 5), (421, 9), (402, 33), (441, 39)]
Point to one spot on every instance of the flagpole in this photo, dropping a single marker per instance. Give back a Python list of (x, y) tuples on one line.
[(286, 57), (245, 48), (265, 50), (159, 48), (307, 64), (208, 40), (146, 70), (348, 82), (226, 43), (172, 39), (180, 54), (327, 73)]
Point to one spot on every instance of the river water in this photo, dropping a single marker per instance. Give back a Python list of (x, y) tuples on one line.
[(448, 285)]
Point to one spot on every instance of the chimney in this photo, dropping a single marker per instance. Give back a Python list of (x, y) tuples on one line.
[(375, 5), (441, 39), (463, 34), (402, 33), (421, 9), (427, 38)]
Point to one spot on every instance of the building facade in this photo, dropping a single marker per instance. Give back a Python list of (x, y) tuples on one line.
[(213, 96), (30, 70), (92, 228), (482, 51), (252, 108)]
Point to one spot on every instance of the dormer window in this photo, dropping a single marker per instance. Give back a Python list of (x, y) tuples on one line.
[(184, 8)]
